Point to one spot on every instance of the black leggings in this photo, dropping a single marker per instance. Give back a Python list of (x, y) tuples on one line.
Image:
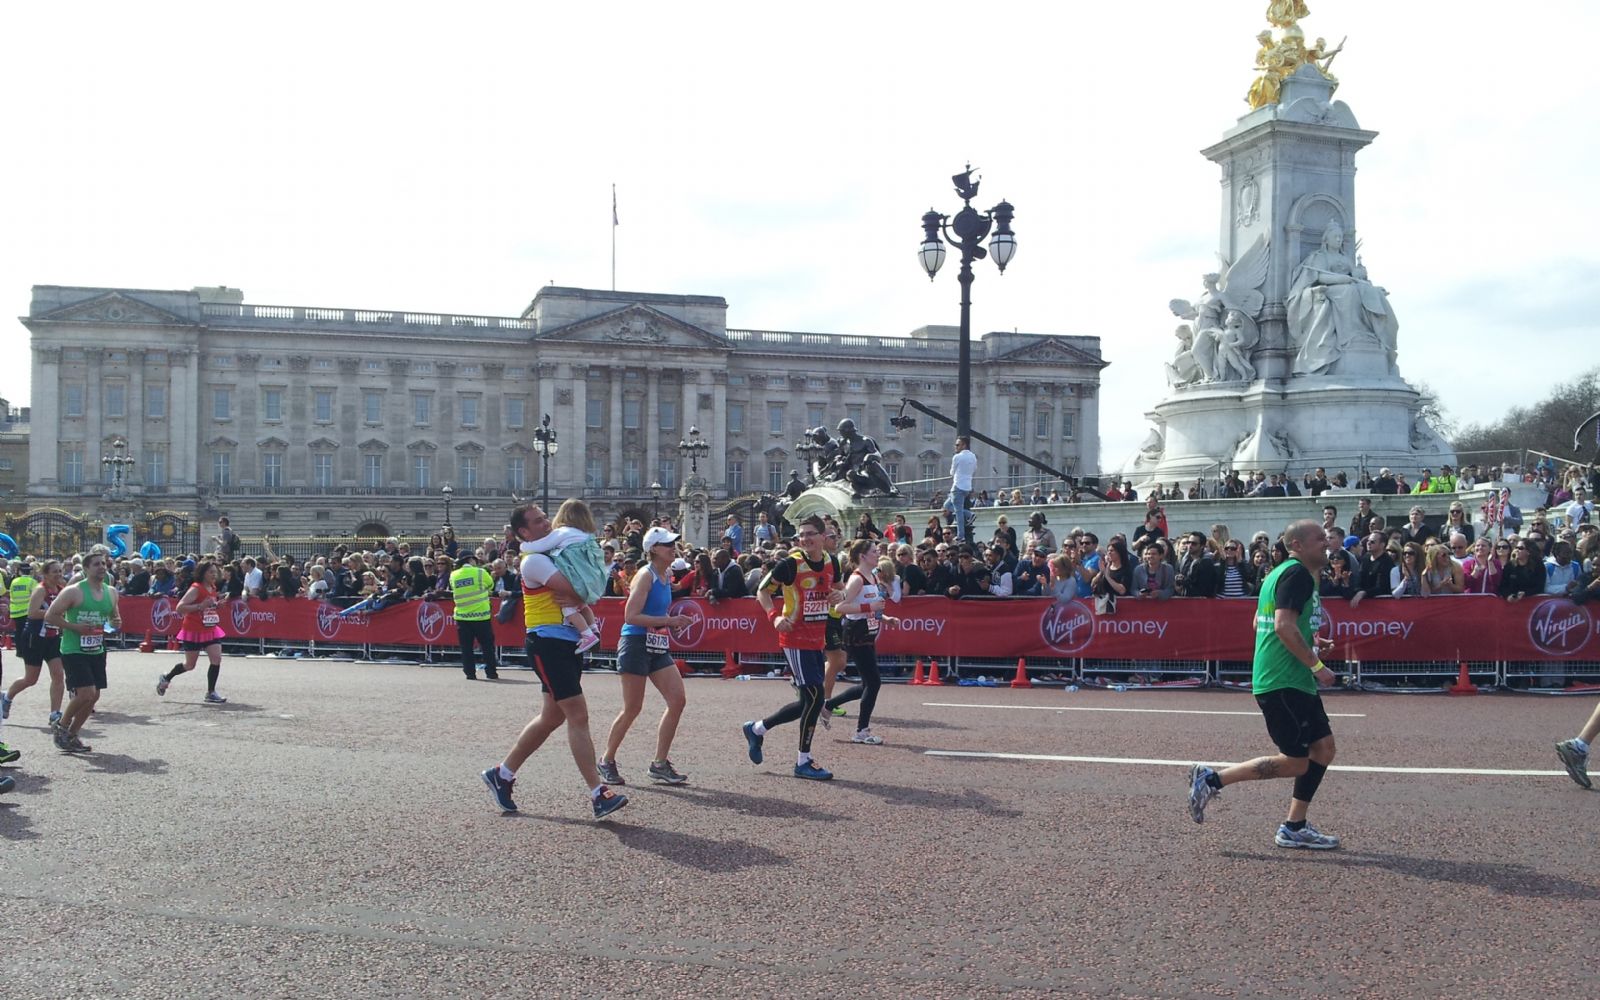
[(865, 659), (807, 709)]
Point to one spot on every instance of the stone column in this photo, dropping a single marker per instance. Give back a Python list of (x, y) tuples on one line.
[(399, 423), (574, 438), (135, 409), (299, 409), (247, 402), (183, 425), (44, 449), (1088, 429), (94, 417), (1030, 443), (717, 458), (352, 428), (994, 404), (652, 425), (614, 432), (446, 419), (544, 401)]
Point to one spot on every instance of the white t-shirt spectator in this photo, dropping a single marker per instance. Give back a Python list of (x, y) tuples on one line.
[(252, 581), (1579, 512), (963, 464), (318, 590)]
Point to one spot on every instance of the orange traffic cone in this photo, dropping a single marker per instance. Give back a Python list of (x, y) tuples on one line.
[(1463, 684), (1021, 680), (933, 674), (730, 666), (916, 674), (149, 644), (683, 668)]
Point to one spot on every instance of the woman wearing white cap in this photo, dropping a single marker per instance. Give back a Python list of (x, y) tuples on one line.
[(643, 653)]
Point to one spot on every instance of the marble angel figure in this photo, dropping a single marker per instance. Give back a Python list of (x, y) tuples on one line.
[(1237, 287)]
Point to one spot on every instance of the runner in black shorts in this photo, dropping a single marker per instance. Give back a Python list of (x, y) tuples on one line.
[(1287, 670), (84, 612), (39, 645), (552, 649)]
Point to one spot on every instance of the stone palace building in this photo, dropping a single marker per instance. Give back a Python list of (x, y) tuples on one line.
[(308, 421)]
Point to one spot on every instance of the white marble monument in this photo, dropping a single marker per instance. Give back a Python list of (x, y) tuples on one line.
[(1288, 358)]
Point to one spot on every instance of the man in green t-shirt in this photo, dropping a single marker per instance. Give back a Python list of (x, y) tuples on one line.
[(1286, 672)]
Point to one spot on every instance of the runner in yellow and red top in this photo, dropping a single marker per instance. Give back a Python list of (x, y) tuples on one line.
[(807, 582)]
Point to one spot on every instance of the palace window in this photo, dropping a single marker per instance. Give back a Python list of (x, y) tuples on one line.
[(155, 401), (323, 406), (322, 470)]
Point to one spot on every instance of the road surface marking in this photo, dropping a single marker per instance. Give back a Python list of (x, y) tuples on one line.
[(1086, 708), (1492, 771)]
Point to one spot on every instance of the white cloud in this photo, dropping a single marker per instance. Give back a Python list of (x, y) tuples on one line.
[(326, 155)]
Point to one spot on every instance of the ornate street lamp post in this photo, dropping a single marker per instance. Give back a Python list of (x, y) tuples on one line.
[(655, 501), (809, 451), (967, 231), (448, 494), (120, 466), (694, 449), (544, 442)]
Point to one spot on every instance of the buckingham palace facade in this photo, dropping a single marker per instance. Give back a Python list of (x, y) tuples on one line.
[(313, 421)]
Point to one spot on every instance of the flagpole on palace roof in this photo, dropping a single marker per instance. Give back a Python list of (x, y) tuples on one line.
[(613, 237)]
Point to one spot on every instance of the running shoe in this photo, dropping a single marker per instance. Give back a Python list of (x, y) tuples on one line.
[(500, 789), (1577, 762), (212, 698), (608, 802), (55, 717), (62, 740), (609, 773), (825, 718), (1306, 837), (811, 772), (753, 742), (5, 705), (841, 711), (1200, 792), (161, 684), (7, 783), (7, 755), (663, 773), (586, 642), (868, 737), (75, 745)]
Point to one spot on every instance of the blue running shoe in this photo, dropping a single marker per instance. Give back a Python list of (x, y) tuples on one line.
[(608, 802), (1306, 837), (5, 705), (500, 789), (753, 742), (1200, 792), (7, 783), (811, 772)]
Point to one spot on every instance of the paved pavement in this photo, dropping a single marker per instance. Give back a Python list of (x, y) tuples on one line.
[(325, 835)]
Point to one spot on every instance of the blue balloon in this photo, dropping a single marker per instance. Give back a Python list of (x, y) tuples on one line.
[(8, 546), (117, 539), (150, 551)]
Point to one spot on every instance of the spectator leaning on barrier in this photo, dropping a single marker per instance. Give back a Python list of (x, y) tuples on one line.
[(1195, 574), (1481, 570), (1416, 529), (1524, 575), (1002, 580), (1561, 573), (1032, 575), (1442, 575), (1153, 577)]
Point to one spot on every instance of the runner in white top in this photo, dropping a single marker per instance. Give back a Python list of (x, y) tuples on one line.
[(862, 605)]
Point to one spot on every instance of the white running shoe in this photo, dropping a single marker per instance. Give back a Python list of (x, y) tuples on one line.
[(868, 737)]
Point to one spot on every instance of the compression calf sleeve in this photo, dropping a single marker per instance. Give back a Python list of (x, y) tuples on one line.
[(211, 676), (1305, 786)]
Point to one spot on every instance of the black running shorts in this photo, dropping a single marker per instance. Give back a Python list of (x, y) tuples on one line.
[(833, 634), (559, 666), (1295, 720), (84, 670)]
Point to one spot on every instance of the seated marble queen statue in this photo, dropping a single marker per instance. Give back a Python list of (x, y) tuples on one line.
[(1332, 307)]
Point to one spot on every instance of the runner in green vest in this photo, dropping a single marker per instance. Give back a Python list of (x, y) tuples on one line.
[(84, 612), (1288, 668), (471, 586)]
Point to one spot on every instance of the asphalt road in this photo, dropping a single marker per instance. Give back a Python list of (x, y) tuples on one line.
[(325, 834)]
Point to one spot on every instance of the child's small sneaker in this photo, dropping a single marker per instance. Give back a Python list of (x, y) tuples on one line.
[(587, 641)]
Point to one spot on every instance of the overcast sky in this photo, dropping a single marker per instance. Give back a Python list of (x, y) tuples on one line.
[(385, 156)]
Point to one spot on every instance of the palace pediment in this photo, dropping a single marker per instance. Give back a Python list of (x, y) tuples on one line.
[(1051, 351), (114, 308), (635, 326)]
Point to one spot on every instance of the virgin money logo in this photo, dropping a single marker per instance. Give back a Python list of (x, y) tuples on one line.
[(1067, 626), (328, 621), (690, 635), (241, 617), (1559, 627), (161, 614), (430, 621)]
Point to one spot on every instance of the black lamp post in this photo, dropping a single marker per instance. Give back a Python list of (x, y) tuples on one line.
[(809, 451), (544, 442), (448, 494), (655, 504), (967, 231), (694, 448), (120, 466)]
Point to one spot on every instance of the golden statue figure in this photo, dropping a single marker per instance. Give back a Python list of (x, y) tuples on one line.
[(1284, 13), (1269, 73), (1319, 56)]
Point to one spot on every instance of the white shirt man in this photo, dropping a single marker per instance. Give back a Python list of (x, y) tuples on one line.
[(963, 465), (1580, 510)]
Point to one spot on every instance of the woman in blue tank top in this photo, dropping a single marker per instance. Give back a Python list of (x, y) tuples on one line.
[(644, 652)]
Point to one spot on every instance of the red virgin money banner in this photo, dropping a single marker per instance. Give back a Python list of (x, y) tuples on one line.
[(1424, 629)]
